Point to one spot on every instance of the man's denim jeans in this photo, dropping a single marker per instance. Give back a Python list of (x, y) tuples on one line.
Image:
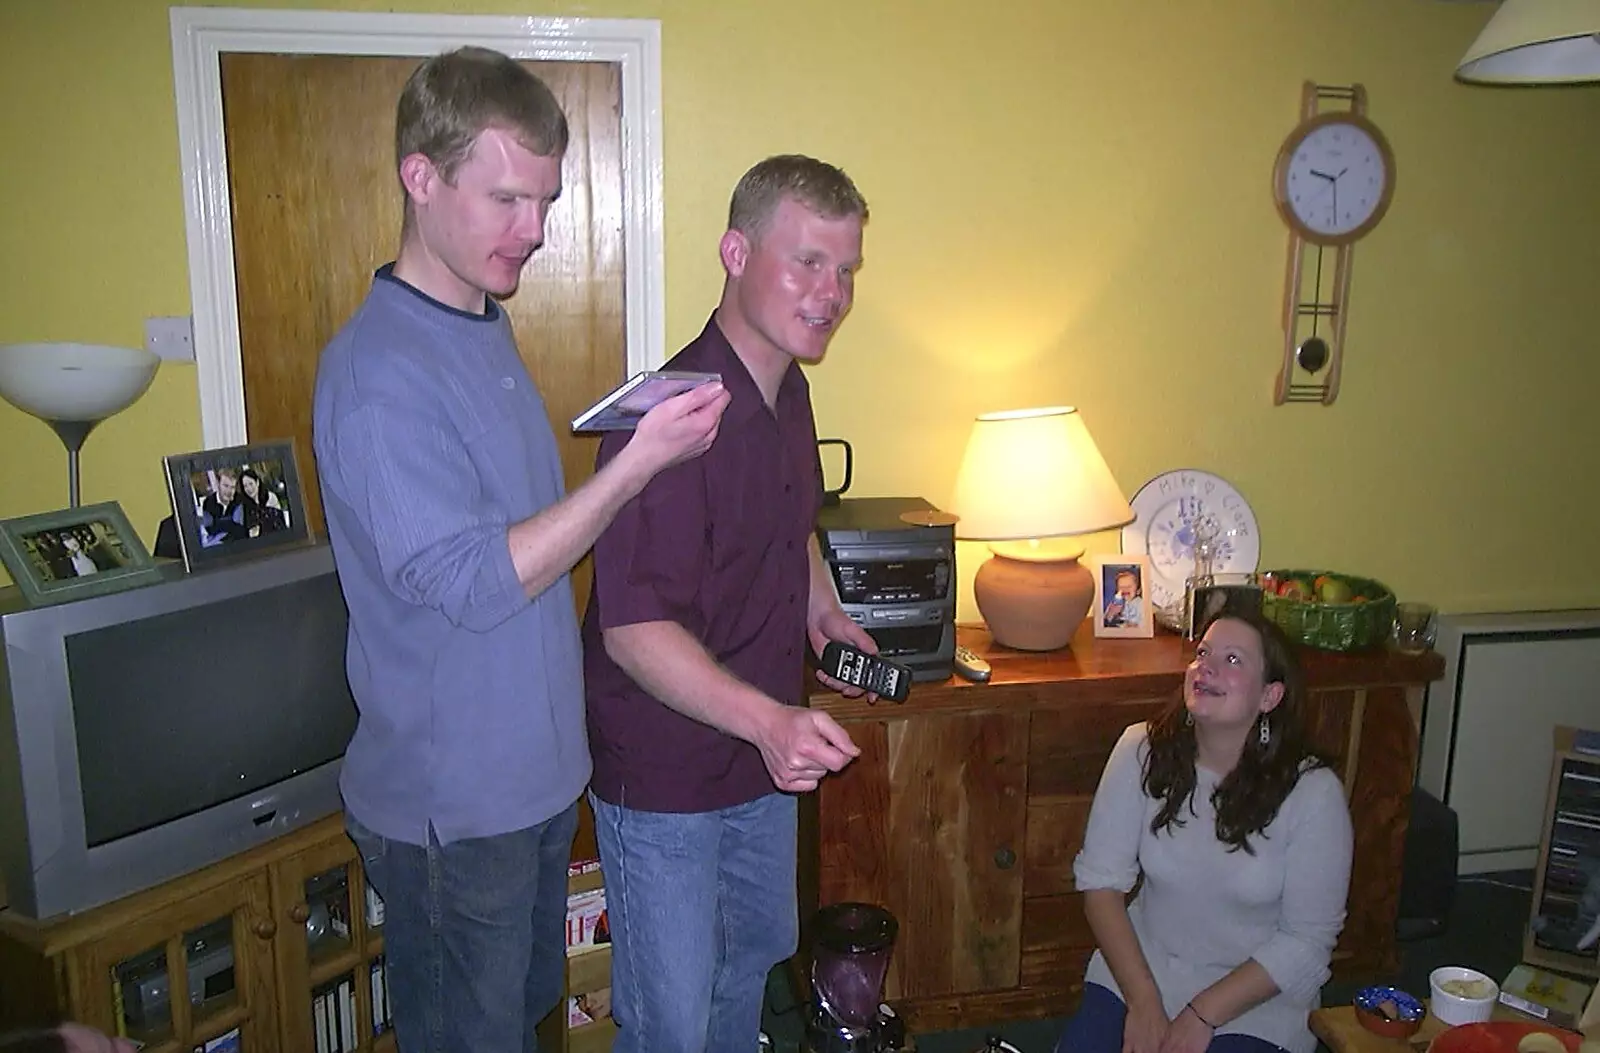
[(702, 906), (474, 934)]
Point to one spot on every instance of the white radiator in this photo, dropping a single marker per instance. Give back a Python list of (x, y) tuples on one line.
[(1509, 680)]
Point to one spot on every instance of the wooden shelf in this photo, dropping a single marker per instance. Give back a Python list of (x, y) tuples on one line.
[(589, 971), (592, 1038)]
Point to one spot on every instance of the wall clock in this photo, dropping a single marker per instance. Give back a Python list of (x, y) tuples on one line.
[(1332, 182)]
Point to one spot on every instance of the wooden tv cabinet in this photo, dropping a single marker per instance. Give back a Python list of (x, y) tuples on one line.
[(967, 805), (296, 939)]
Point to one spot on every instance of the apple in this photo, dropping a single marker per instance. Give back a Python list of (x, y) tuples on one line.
[(1332, 590), (1295, 589)]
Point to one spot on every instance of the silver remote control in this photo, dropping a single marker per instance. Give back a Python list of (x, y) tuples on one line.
[(969, 666)]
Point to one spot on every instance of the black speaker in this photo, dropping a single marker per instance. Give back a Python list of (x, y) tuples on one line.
[(1428, 874)]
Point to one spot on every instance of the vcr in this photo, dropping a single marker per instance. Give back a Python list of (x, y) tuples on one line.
[(896, 577)]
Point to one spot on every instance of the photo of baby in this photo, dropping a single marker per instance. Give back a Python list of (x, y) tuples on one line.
[(1119, 587), (1123, 587)]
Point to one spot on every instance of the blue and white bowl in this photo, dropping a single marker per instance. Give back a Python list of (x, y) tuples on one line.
[(1389, 1011)]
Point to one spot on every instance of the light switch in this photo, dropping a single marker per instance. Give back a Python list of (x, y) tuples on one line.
[(170, 338)]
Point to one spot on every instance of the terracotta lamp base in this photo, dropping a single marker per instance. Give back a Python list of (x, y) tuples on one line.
[(1033, 596)]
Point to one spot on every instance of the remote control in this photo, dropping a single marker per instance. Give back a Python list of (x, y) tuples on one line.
[(970, 666), (879, 676)]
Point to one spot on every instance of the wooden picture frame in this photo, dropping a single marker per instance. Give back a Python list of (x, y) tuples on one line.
[(1122, 605), (55, 557), (222, 515)]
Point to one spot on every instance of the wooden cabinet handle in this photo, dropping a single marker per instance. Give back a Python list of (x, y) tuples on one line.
[(265, 928), (1005, 859), (299, 913)]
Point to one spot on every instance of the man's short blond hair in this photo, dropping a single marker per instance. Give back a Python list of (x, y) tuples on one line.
[(817, 185)]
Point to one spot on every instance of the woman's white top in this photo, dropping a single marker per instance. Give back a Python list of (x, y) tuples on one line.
[(1204, 910)]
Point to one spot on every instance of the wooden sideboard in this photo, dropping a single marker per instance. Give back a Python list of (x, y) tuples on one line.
[(967, 806)]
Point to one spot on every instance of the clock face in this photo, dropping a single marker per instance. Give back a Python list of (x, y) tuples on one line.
[(1334, 178)]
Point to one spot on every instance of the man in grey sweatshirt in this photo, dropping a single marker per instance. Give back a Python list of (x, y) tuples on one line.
[(454, 538)]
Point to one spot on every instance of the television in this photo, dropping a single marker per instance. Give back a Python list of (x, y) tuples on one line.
[(148, 733)]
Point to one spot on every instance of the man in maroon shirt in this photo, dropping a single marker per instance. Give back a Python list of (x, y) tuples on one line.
[(708, 587)]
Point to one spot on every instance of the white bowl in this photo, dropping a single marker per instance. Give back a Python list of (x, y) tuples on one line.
[(1459, 1009)]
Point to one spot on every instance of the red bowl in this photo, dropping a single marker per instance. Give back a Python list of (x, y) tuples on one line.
[(1498, 1036)]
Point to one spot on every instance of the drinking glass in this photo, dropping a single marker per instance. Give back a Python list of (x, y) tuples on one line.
[(1416, 626)]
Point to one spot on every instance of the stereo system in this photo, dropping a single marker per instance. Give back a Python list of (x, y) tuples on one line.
[(896, 577)]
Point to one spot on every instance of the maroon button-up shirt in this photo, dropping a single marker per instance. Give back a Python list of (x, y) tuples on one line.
[(718, 545)]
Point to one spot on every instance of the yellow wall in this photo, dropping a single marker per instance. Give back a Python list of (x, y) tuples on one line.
[(1070, 204)]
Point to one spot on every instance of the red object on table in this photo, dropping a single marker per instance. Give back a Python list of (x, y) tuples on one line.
[(1497, 1036)]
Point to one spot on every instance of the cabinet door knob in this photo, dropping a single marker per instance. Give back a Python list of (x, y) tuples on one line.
[(299, 913), (265, 928), (1005, 859)]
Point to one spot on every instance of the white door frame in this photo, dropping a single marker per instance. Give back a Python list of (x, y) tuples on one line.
[(200, 36)]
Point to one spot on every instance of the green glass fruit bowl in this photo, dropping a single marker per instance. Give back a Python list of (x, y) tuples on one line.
[(1328, 609)]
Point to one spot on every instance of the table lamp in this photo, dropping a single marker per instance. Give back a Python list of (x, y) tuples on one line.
[(1028, 476), (73, 387), (1536, 42)]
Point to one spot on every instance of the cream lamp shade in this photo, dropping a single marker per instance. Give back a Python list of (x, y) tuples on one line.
[(1536, 42), (73, 387), (1029, 476)]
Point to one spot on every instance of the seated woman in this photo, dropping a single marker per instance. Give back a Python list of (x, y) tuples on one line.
[(1242, 837), (263, 513)]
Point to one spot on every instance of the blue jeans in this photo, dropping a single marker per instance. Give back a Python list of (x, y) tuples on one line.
[(702, 906), (474, 934), (1097, 1028)]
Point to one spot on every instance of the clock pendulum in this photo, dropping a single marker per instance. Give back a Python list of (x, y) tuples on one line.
[(1332, 183)]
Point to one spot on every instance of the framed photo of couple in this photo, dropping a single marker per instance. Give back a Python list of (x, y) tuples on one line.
[(76, 552), (235, 502), (1121, 608)]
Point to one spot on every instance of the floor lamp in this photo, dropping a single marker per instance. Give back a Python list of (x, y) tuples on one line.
[(73, 387)]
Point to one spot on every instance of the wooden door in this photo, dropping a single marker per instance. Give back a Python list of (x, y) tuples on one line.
[(928, 822), (330, 945), (317, 208), (1067, 750), (190, 971)]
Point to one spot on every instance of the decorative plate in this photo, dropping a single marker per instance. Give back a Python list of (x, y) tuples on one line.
[(1166, 510)]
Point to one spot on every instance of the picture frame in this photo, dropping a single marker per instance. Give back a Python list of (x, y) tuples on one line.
[(56, 557), (1226, 593), (1122, 604), (236, 502)]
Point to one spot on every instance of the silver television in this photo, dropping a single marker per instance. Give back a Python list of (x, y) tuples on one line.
[(148, 733)]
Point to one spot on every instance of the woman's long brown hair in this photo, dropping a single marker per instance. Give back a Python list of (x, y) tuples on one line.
[(1248, 798)]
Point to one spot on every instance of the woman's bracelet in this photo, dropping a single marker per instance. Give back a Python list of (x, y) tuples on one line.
[(1197, 1016)]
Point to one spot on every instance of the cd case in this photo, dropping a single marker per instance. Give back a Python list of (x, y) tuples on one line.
[(621, 410)]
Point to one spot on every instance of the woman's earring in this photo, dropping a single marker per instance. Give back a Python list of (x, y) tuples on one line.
[(1266, 732), (1188, 718)]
